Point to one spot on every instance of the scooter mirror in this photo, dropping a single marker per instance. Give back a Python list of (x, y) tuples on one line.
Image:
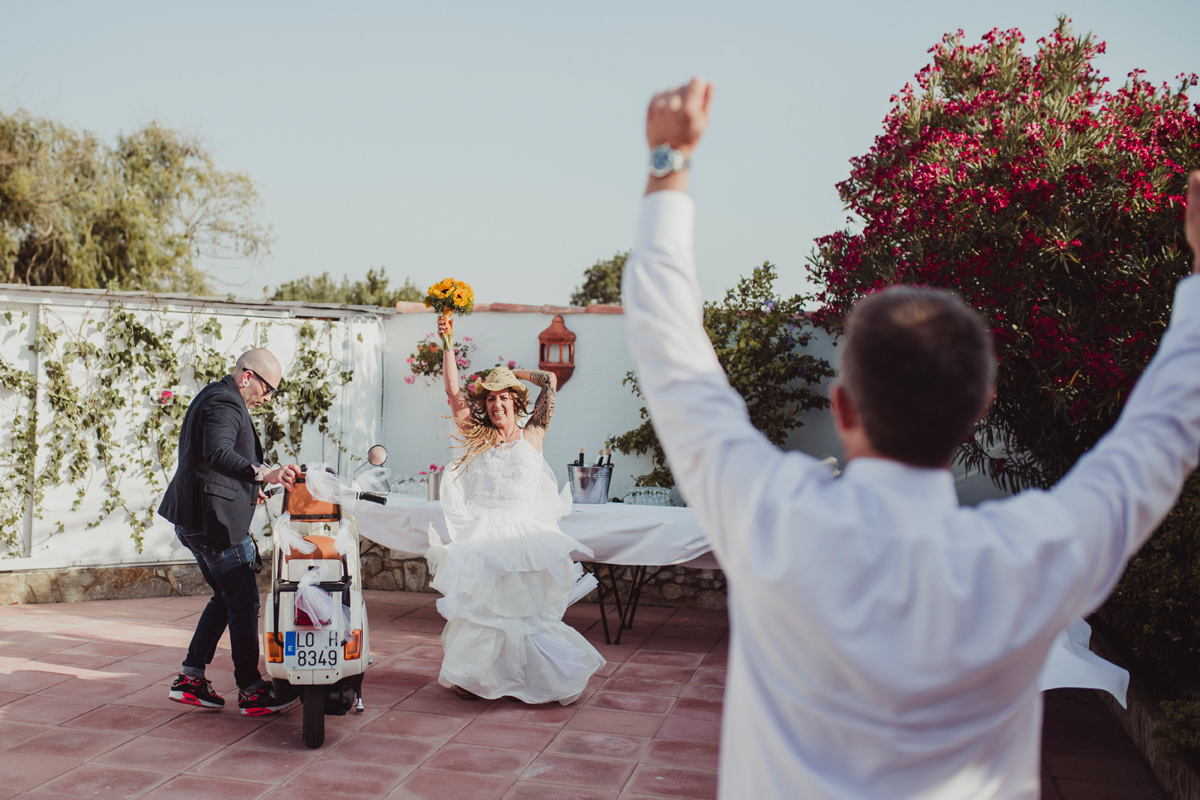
[(377, 455)]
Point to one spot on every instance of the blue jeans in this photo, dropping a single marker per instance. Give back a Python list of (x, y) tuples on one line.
[(234, 604)]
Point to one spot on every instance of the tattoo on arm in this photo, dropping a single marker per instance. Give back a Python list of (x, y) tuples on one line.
[(543, 409)]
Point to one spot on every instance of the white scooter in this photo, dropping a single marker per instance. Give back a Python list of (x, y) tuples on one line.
[(315, 626)]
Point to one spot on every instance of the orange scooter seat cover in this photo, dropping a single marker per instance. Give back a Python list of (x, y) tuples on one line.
[(303, 507), (325, 549)]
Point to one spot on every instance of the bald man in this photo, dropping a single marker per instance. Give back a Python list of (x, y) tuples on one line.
[(211, 501)]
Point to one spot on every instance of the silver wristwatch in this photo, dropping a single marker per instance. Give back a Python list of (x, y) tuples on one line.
[(665, 159), (260, 472)]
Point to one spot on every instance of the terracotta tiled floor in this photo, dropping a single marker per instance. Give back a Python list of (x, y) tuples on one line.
[(83, 713)]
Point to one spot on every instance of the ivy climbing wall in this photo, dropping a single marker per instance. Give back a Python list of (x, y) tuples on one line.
[(93, 388)]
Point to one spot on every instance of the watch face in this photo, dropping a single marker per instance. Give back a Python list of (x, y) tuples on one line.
[(660, 159)]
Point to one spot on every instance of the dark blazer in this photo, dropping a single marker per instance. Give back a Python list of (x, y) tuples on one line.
[(214, 489)]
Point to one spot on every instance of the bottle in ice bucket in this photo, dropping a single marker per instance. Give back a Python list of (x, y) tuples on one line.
[(589, 482)]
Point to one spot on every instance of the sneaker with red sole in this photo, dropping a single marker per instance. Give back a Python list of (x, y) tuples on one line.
[(195, 692), (264, 700)]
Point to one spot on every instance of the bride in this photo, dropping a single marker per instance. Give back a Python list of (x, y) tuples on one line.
[(507, 574)]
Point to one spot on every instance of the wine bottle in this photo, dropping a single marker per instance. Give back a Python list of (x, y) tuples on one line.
[(599, 458), (607, 460), (579, 461)]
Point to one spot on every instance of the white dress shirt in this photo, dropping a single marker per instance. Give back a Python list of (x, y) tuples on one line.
[(886, 642)]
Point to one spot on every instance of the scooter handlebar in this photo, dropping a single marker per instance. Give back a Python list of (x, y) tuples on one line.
[(373, 498)]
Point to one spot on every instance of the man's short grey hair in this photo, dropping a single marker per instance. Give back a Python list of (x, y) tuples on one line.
[(259, 361)]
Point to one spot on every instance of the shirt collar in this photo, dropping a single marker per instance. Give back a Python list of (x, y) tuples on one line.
[(928, 484)]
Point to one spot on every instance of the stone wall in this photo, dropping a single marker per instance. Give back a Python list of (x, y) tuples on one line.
[(382, 568), (674, 587), (387, 570), (1177, 778), (108, 583)]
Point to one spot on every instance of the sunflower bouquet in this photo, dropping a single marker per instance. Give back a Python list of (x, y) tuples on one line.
[(448, 297)]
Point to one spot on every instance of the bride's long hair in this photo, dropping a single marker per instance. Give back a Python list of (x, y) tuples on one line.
[(479, 434)]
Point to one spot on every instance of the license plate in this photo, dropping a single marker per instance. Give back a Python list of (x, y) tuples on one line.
[(311, 649)]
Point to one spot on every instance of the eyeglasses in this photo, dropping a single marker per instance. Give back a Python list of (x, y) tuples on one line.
[(270, 389)]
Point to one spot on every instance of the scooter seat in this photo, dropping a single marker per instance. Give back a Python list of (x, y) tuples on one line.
[(326, 549)]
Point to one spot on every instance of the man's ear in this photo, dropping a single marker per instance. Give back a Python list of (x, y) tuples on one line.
[(845, 413)]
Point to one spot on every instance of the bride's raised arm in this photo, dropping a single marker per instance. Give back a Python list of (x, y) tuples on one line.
[(543, 407), (458, 404)]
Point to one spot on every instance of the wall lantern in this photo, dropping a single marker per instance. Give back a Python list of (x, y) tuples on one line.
[(556, 351)]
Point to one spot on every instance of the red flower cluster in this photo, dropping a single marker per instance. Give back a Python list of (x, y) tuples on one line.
[(1052, 204)]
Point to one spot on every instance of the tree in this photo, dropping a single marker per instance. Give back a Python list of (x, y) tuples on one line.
[(601, 283), (1054, 206), (373, 291), (756, 335), (146, 214)]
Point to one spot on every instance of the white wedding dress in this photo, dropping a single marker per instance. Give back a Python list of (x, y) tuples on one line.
[(507, 577)]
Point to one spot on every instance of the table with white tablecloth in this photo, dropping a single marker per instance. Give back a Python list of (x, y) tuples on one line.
[(651, 538), (647, 539), (617, 533)]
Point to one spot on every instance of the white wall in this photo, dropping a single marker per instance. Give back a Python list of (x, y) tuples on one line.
[(377, 406), (591, 406), (63, 535)]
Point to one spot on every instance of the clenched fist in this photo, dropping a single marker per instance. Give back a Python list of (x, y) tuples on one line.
[(678, 117)]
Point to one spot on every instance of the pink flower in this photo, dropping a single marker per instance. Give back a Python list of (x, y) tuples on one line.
[(167, 394), (409, 379), (512, 364), (467, 339), (409, 360)]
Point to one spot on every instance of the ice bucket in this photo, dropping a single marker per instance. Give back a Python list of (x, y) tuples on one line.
[(435, 485), (589, 484)]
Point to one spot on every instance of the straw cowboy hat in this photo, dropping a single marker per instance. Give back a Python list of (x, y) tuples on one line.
[(499, 379)]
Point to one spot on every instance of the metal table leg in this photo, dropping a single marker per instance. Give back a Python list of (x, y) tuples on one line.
[(627, 610)]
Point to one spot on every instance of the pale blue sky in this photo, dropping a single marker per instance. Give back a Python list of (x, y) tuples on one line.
[(501, 143)]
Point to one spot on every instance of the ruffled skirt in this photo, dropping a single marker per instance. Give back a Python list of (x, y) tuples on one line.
[(506, 581)]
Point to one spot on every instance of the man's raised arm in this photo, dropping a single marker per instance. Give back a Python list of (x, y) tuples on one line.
[(726, 469)]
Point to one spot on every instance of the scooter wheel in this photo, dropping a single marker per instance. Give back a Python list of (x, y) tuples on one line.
[(314, 715)]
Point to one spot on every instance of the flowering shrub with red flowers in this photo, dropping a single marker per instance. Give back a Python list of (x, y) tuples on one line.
[(1055, 206), (427, 361)]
